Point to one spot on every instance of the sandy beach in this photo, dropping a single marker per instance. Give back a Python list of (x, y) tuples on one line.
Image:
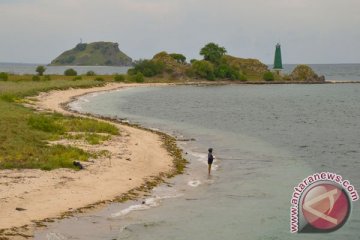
[(32, 195)]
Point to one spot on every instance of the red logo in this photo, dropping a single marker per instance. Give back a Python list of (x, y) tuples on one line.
[(325, 207)]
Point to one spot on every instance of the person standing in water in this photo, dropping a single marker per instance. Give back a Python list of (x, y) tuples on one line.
[(210, 159)]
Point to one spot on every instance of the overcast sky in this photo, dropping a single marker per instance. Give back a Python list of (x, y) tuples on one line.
[(310, 31)]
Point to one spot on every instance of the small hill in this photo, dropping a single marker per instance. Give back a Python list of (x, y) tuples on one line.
[(304, 73), (94, 54), (248, 66)]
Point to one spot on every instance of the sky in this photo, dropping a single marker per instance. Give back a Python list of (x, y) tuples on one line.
[(310, 31)]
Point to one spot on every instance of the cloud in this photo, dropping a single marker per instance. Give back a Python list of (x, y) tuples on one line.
[(310, 31)]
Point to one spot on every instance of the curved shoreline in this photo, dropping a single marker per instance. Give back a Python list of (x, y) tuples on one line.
[(140, 159)]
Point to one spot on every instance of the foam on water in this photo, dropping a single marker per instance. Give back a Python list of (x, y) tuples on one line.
[(161, 194)]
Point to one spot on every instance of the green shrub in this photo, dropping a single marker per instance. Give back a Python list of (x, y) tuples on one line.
[(47, 78), (40, 70), (90, 73), (243, 77), (148, 68), (139, 78), (70, 72), (119, 78), (36, 78), (225, 71), (100, 79), (77, 78), (4, 76), (268, 76), (203, 69)]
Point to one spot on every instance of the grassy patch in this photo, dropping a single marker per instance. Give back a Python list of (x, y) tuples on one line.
[(90, 138), (24, 134), (75, 124)]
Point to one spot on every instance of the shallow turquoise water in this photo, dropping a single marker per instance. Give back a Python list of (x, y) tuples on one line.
[(266, 139)]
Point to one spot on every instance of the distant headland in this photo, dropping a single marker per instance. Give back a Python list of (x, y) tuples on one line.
[(93, 54)]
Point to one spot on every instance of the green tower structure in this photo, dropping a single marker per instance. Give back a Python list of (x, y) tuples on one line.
[(278, 61)]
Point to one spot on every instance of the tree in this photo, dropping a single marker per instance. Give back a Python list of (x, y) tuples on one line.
[(212, 52), (178, 57), (40, 70)]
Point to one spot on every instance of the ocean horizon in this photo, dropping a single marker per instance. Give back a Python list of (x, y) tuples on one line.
[(336, 71)]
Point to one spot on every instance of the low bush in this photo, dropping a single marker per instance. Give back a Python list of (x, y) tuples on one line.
[(203, 69), (4, 76), (268, 76), (90, 73), (77, 78), (99, 79), (70, 72), (47, 78), (36, 78), (119, 78), (139, 78)]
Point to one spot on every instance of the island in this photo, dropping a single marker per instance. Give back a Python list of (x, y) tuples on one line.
[(93, 54), (215, 65)]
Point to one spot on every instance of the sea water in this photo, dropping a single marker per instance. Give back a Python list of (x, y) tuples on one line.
[(266, 139)]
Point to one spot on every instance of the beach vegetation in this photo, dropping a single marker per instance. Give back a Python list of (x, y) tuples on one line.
[(70, 72), (203, 69), (225, 71), (36, 78), (268, 76), (77, 78), (148, 68), (47, 78), (119, 78), (138, 78), (99, 79), (4, 76), (90, 73), (25, 134), (90, 138), (40, 70)]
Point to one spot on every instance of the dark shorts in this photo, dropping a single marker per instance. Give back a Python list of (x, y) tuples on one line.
[(210, 161)]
